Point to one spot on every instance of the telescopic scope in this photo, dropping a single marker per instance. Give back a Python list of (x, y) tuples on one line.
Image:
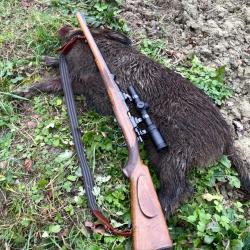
[(151, 128)]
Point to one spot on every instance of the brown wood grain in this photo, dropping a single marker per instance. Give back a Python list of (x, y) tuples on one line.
[(149, 227)]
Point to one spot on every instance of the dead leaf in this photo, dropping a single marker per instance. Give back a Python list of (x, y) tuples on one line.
[(31, 124), (3, 164), (35, 116), (28, 165), (3, 200), (25, 4), (7, 246), (64, 233), (89, 224), (50, 191), (210, 197), (38, 235), (99, 229), (104, 134)]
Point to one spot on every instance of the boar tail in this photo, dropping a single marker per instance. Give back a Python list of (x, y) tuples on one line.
[(242, 166)]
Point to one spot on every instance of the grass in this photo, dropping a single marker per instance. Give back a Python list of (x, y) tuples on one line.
[(42, 202)]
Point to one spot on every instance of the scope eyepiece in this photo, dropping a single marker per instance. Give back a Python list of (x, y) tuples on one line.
[(156, 137), (153, 131)]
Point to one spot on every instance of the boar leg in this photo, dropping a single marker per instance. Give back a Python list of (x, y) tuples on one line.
[(174, 188), (51, 61), (48, 86)]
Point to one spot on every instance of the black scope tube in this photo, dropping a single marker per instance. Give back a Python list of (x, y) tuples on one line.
[(152, 129)]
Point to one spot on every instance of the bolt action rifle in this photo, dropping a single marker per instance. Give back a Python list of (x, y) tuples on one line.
[(149, 228)]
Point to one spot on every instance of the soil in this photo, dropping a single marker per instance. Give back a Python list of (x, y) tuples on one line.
[(218, 32)]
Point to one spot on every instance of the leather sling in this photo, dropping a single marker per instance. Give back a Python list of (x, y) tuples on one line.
[(86, 173)]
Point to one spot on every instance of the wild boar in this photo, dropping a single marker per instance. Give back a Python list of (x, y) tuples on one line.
[(193, 126)]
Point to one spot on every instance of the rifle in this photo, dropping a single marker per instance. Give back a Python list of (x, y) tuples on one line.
[(149, 228)]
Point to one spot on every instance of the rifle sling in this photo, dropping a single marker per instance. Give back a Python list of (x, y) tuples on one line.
[(87, 176), (68, 46)]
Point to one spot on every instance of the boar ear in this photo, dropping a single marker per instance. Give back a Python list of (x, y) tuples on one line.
[(119, 37), (63, 32)]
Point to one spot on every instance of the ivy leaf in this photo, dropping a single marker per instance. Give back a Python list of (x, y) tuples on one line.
[(225, 161), (236, 244), (210, 197), (214, 227), (25, 222), (101, 6), (192, 218), (224, 221), (201, 226), (71, 177), (67, 186), (54, 228), (2, 177), (246, 238), (45, 234), (220, 73), (218, 206), (58, 101), (208, 239), (16, 79), (64, 156), (41, 184), (234, 181)]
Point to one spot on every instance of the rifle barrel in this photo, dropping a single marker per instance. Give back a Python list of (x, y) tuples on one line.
[(115, 97)]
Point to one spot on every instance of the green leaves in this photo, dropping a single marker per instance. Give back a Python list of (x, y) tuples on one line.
[(221, 172), (64, 156), (100, 13), (213, 220), (208, 239), (220, 73), (234, 181), (2, 178), (210, 197), (9, 72), (208, 79), (101, 6), (72, 178), (17, 79), (54, 229), (6, 69), (155, 49), (236, 244)]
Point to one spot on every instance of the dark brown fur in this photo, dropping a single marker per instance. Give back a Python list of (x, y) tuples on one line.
[(195, 130)]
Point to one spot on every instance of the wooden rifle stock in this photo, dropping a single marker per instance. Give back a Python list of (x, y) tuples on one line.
[(149, 228)]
